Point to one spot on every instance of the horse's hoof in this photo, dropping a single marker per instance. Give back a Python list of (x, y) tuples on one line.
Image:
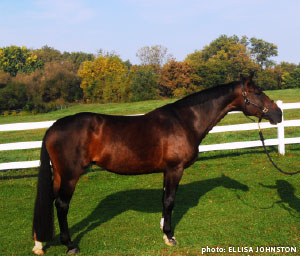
[(38, 251), (169, 241), (73, 251)]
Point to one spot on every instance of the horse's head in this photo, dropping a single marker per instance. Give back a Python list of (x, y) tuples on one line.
[(253, 102)]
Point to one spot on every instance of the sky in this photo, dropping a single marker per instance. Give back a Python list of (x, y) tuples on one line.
[(124, 26)]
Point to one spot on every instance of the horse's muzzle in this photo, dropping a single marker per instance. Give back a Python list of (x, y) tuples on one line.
[(274, 116)]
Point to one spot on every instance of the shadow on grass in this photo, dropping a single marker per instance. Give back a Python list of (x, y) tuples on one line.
[(17, 177), (286, 192), (149, 201)]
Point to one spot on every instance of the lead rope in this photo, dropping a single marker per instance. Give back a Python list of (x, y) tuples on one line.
[(263, 143)]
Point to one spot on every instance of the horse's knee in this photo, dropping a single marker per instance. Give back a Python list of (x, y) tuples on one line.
[(169, 203), (61, 206)]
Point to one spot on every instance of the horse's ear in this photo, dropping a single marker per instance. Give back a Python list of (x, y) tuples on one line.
[(250, 77), (252, 73)]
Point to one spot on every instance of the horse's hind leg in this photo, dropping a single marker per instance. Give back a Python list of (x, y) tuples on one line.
[(163, 200), (62, 206)]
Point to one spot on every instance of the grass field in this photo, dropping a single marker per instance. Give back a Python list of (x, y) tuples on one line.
[(227, 198)]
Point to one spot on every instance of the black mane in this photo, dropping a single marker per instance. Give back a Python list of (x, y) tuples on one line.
[(206, 95)]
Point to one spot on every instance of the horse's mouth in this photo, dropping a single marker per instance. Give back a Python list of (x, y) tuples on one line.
[(273, 122)]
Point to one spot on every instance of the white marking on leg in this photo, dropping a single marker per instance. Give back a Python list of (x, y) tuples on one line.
[(162, 223), (38, 248), (38, 244)]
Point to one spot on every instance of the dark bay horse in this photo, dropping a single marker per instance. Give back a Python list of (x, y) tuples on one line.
[(163, 140)]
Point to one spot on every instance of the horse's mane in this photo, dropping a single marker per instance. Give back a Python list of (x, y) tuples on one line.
[(206, 95)]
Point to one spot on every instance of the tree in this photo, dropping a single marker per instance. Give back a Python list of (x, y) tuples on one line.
[(13, 96), (48, 54), (56, 82), (143, 83), (60, 82), (287, 67), (103, 79), (4, 79), (261, 51), (176, 79), (154, 55), (267, 79), (77, 58), (222, 61), (14, 59), (292, 80), (222, 43)]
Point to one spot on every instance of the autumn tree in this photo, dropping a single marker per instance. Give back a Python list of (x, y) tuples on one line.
[(14, 59), (59, 81), (4, 79), (177, 79), (104, 79), (48, 54)]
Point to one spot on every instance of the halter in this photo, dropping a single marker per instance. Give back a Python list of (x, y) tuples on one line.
[(248, 102)]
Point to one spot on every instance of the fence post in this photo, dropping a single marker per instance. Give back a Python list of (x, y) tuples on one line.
[(280, 131)]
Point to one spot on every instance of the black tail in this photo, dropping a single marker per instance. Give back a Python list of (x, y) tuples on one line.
[(43, 222)]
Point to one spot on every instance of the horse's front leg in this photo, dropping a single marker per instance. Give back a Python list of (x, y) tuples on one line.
[(171, 181)]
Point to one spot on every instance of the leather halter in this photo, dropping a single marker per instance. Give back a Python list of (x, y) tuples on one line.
[(248, 102)]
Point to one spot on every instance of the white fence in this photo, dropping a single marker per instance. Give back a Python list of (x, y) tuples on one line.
[(280, 140)]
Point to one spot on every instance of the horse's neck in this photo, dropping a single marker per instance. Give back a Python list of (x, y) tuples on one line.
[(207, 114), (209, 117)]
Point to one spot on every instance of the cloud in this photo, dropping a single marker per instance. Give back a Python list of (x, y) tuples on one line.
[(67, 11)]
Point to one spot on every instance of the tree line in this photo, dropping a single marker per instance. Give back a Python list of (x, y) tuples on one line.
[(37, 80)]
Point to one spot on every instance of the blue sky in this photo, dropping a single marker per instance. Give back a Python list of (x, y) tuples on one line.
[(124, 26)]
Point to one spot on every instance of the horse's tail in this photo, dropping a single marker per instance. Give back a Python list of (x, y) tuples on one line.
[(43, 220)]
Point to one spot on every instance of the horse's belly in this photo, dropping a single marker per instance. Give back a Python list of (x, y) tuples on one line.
[(131, 167), (130, 162)]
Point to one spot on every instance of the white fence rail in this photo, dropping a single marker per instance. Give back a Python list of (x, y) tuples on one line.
[(280, 140)]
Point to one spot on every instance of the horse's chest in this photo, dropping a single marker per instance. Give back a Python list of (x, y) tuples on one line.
[(181, 152)]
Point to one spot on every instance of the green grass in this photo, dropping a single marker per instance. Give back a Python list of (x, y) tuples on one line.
[(119, 215), (253, 205)]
